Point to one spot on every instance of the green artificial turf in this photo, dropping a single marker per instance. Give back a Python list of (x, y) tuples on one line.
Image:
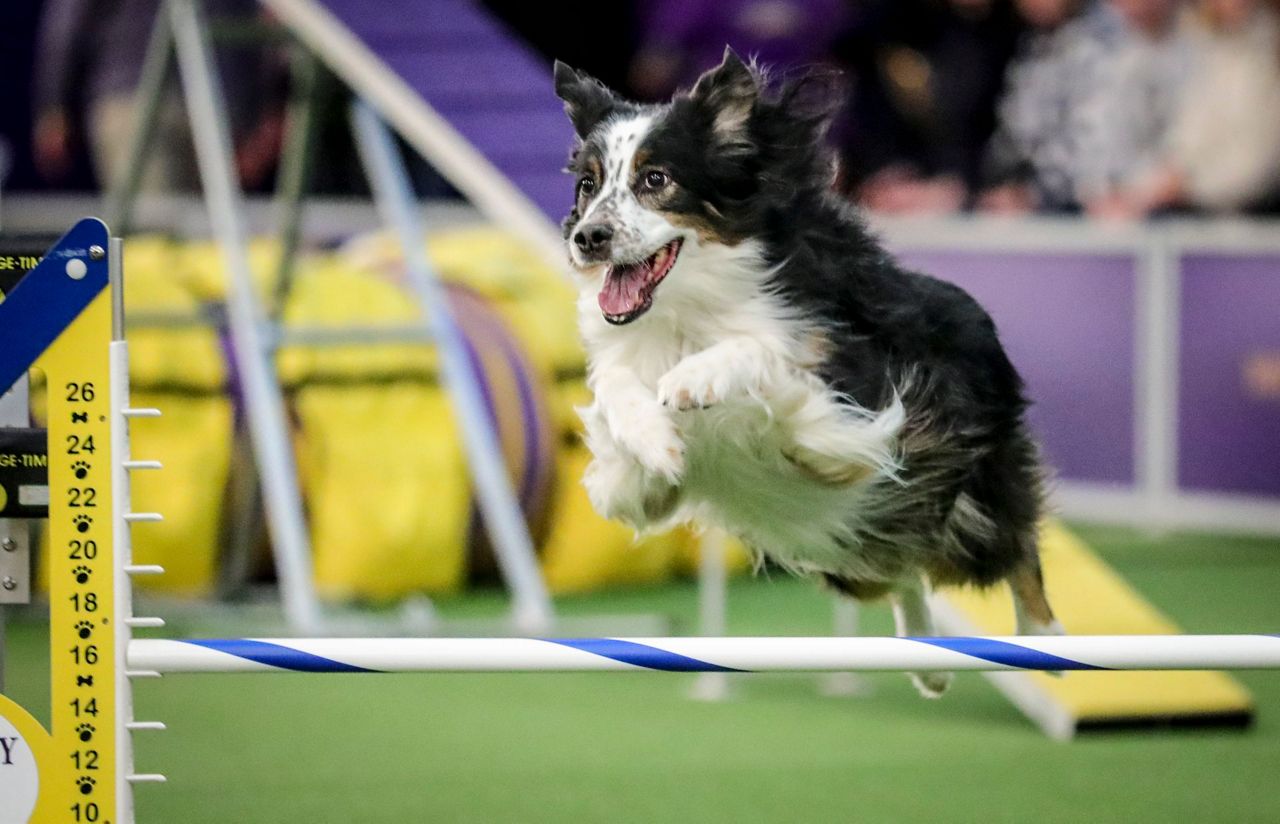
[(634, 748)]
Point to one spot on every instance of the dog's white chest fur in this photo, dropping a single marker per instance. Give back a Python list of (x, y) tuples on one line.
[(705, 410)]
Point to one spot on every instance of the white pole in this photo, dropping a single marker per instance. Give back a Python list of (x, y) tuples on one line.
[(268, 421), (122, 465), (713, 599), (1157, 293), (844, 624), (767, 654)]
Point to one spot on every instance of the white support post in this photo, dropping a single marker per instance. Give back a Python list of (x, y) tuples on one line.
[(123, 546), (713, 607), (121, 538), (844, 624), (264, 406), (1156, 375)]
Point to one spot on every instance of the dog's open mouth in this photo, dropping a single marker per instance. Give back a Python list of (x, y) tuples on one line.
[(628, 288)]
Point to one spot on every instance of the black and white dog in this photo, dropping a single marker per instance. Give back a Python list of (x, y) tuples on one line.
[(759, 363)]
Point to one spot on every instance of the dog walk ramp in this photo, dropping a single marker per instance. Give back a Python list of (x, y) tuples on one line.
[(465, 93), (1090, 598)]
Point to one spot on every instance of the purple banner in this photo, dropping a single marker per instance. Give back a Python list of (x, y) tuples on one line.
[(1229, 376), (1067, 322)]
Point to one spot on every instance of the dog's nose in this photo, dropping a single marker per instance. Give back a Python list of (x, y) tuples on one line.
[(593, 239)]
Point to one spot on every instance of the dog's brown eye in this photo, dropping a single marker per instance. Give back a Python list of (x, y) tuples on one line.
[(655, 179), (586, 186)]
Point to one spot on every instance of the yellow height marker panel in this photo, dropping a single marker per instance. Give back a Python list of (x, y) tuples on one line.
[(78, 782), (1090, 598)]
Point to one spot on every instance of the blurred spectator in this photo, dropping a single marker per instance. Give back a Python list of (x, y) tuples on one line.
[(1088, 104), (682, 38), (1223, 149), (1138, 99), (927, 74), (88, 67), (1050, 110)]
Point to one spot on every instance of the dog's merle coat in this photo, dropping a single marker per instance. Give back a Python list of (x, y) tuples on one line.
[(759, 362)]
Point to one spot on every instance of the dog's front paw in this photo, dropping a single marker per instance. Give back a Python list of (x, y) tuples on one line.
[(694, 383), (655, 444), (621, 490), (932, 684)]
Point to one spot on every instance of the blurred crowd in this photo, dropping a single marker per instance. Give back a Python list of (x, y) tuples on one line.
[(1112, 108), (88, 64)]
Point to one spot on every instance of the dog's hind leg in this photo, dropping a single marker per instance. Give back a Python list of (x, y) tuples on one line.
[(914, 620), (1030, 606), (1035, 616), (856, 589), (832, 444)]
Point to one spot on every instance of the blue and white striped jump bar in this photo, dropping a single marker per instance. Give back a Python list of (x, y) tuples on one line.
[(1081, 652)]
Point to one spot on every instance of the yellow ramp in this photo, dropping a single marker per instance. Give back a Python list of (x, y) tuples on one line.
[(1090, 598)]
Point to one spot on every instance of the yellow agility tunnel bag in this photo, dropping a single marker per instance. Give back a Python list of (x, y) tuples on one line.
[(378, 447)]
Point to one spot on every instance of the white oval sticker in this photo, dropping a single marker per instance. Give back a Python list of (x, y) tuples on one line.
[(19, 777)]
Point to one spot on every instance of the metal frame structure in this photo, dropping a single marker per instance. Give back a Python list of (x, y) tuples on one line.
[(15, 535), (182, 32), (423, 128)]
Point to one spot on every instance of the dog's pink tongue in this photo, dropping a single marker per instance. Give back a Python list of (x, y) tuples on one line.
[(623, 290)]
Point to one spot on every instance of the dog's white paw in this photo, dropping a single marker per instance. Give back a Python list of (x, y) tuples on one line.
[(621, 490), (1031, 627), (655, 444), (694, 383), (932, 684)]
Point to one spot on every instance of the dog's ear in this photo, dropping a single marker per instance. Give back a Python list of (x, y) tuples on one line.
[(729, 92), (814, 97), (587, 101)]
